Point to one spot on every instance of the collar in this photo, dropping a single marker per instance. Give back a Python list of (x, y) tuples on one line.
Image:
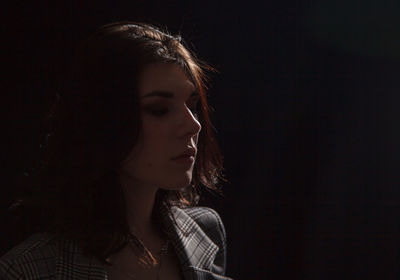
[(192, 245), (195, 250)]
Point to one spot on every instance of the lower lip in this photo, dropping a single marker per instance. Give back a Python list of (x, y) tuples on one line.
[(185, 160)]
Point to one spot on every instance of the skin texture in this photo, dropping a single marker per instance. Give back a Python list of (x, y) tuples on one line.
[(169, 127)]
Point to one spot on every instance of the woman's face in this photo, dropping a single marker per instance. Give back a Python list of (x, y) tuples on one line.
[(166, 149)]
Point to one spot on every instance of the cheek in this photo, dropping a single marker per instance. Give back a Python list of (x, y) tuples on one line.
[(155, 145), (155, 135)]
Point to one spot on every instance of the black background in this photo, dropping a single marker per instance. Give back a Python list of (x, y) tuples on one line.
[(306, 112)]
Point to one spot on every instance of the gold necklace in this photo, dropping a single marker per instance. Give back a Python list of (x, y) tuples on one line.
[(163, 251)]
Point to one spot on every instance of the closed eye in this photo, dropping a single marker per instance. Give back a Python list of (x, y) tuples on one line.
[(159, 109), (156, 111)]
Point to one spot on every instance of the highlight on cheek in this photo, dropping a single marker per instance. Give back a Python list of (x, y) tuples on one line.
[(194, 104)]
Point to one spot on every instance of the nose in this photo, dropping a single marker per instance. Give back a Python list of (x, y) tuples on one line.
[(190, 125)]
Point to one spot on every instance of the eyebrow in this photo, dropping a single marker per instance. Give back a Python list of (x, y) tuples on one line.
[(165, 94)]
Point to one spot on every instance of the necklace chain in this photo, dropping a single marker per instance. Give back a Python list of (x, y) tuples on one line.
[(163, 251)]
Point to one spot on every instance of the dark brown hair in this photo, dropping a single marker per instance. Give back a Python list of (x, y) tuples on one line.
[(94, 125)]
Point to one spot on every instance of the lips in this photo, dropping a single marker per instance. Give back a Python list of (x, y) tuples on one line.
[(189, 152)]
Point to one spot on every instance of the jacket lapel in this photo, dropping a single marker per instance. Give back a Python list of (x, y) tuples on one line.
[(194, 248)]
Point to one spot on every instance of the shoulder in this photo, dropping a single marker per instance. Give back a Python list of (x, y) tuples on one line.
[(33, 258), (24, 258)]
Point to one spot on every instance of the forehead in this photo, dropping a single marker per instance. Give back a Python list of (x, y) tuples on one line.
[(164, 77)]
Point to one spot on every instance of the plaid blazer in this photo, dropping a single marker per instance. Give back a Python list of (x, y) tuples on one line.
[(198, 237)]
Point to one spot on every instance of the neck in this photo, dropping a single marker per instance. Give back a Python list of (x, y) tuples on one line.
[(140, 200)]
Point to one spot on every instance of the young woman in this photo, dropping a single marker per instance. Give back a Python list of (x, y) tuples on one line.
[(130, 145)]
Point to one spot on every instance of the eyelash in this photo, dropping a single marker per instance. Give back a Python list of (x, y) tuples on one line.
[(159, 111)]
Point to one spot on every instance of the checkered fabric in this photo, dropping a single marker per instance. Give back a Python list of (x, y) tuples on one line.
[(197, 235)]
